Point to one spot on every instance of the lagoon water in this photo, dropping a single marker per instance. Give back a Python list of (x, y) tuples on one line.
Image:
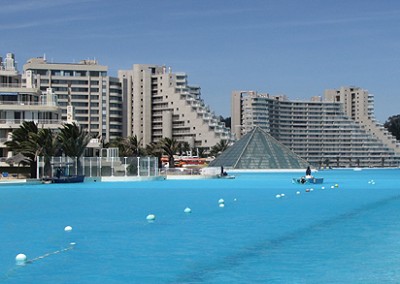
[(345, 234)]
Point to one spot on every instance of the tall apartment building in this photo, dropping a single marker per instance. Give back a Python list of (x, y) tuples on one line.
[(358, 104), (318, 131), (95, 96), (20, 103), (161, 104)]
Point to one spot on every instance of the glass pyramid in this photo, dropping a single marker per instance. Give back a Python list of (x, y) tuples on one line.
[(259, 150)]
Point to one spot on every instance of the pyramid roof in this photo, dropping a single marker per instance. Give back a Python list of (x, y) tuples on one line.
[(259, 150)]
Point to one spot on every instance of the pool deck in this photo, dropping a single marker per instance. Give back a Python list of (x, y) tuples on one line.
[(124, 178), (18, 181)]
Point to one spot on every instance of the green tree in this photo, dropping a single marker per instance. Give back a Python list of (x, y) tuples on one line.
[(23, 141), (183, 148), (73, 141), (393, 125), (154, 149), (201, 152), (218, 148), (170, 146), (326, 162), (226, 120), (48, 147), (131, 147), (116, 143)]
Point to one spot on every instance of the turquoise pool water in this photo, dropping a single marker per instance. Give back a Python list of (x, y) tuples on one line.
[(344, 234)]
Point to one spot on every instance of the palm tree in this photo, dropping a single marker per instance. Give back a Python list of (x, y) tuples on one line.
[(183, 147), (131, 146), (154, 149), (218, 148), (48, 147), (116, 143), (73, 141), (201, 152), (170, 147), (23, 141)]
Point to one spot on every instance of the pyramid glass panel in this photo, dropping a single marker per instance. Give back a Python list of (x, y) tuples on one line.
[(259, 150)]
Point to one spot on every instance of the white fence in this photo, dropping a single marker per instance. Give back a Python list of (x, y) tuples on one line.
[(100, 166)]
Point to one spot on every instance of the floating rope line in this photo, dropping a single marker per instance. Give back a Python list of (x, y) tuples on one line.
[(51, 253), (20, 263)]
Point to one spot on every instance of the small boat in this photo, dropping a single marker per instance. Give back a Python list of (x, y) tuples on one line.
[(226, 176), (68, 179), (308, 180), (62, 174)]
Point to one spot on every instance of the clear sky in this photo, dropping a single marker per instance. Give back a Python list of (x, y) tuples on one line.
[(294, 47)]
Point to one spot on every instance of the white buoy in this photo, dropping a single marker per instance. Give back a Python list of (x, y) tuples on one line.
[(221, 205), (282, 195), (332, 187), (234, 199), (68, 229), (323, 187), (297, 192), (278, 196), (187, 210), (221, 201), (20, 259), (151, 217), (311, 189)]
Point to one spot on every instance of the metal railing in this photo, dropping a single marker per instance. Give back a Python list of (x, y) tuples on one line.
[(101, 166), (38, 121), (27, 103)]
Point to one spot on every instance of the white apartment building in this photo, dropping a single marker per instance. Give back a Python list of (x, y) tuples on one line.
[(19, 103), (358, 104), (95, 97), (318, 131), (161, 103)]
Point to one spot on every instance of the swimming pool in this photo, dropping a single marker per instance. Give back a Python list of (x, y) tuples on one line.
[(345, 234)]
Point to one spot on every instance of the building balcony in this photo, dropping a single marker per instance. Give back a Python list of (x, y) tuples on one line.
[(29, 106), (94, 143), (207, 116), (219, 130), (213, 123), (196, 104), (201, 110), (42, 123)]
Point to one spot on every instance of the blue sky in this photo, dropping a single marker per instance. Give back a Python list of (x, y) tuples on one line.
[(292, 47)]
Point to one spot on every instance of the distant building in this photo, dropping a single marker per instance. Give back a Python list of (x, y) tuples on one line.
[(318, 130), (358, 104), (95, 96), (160, 103)]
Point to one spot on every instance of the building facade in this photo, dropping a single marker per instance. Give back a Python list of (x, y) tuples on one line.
[(20, 103), (319, 131), (161, 104), (95, 96), (358, 104)]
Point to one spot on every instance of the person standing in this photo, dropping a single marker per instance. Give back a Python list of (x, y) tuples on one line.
[(308, 171)]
